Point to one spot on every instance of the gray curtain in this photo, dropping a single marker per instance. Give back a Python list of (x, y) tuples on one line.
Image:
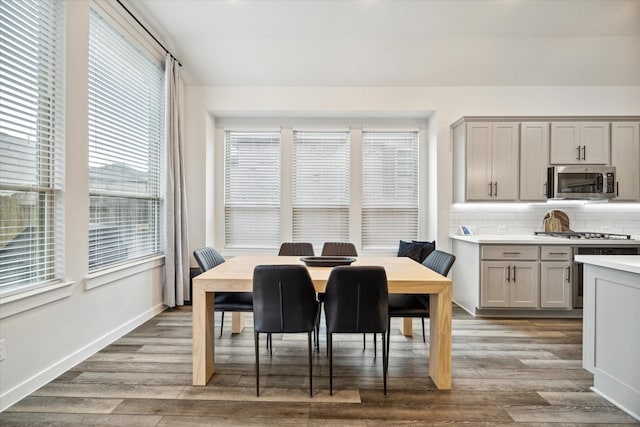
[(176, 286)]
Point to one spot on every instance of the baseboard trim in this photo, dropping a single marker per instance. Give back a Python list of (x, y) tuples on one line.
[(22, 390)]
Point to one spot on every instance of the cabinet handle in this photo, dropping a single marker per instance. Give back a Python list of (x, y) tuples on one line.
[(568, 274), (544, 189), (558, 253), (514, 273), (510, 253), (584, 152), (490, 189), (495, 191), (617, 189), (578, 158), (508, 273)]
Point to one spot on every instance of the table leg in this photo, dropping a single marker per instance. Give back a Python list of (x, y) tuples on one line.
[(237, 322), (440, 338), (406, 326), (203, 335)]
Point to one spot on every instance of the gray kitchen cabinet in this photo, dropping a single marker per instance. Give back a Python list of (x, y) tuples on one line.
[(555, 277), (625, 156), (509, 277), (492, 161), (579, 143), (534, 160)]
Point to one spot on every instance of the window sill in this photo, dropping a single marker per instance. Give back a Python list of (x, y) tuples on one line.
[(30, 299), (111, 275)]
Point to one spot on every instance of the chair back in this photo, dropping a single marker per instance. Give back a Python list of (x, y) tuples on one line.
[(296, 249), (284, 299), (207, 258), (339, 249), (440, 262), (357, 300)]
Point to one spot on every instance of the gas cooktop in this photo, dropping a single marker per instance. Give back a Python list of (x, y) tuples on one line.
[(583, 235)]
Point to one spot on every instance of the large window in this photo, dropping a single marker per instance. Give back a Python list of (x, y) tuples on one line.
[(252, 189), (126, 122), (320, 187), (31, 141), (389, 188)]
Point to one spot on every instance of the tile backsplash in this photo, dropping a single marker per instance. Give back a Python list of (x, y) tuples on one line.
[(525, 218)]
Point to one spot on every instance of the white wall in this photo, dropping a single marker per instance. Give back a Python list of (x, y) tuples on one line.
[(73, 321), (440, 105)]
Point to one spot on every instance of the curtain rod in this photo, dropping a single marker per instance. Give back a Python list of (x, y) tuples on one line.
[(149, 32)]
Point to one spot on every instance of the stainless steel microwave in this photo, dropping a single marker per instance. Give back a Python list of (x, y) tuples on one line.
[(581, 182)]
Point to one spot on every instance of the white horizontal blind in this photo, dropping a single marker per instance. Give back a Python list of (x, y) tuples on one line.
[(126, 122), (31, 141), (389, 189), (252, 189), (320, 187)]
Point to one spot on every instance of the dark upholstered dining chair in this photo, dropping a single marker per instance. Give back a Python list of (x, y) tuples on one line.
[(296, 249), (357, 301), (208, 258), (284, 301), (417, 305), (339, 249)]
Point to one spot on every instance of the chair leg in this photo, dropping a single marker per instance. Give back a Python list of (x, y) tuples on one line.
[(221, 324), (385, 364), (310, 369), (364, 341), (388, 343), (424, 339), (375, 345), (330, 351), (256, 338)]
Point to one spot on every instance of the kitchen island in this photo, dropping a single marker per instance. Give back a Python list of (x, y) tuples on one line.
[(611, 328)]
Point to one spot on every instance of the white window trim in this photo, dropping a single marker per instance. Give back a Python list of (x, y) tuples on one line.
[(119, 272), (12, 303), (215, 137)]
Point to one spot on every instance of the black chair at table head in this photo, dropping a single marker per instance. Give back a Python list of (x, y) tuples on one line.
[(356, 301), (208, 258), (296, 249), (417, 305), (284, 301)]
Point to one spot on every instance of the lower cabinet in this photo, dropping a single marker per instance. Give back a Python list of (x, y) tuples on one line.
[(509, 284), (525, 276)]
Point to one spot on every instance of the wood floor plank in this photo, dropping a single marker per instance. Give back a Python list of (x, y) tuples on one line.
[(563, 398), (592, 415), (63, 404), (121, 391), (15, 419)]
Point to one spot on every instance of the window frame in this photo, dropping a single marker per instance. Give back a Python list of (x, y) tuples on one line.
[(215, 136)]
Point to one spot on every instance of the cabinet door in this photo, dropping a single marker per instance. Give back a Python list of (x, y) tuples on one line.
[(524, 285), (595, 142), (555, 285), (564, 143), (504, 165), (494, 290), (479, 137), (534, 160), (625, 156)]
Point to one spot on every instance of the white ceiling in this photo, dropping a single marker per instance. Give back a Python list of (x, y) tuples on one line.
[(400, 42)]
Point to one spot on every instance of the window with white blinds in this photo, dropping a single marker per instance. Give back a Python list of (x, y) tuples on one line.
[(126, 125), (31, 141), (320, 186), (252, 189), (389, 188)]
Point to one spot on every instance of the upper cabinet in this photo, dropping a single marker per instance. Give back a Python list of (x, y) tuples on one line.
[(579, 143), (625, 156), (534, 160), (492, 161), (507, 158)]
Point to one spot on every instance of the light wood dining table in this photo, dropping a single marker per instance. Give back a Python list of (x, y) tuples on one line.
[(404, 276)]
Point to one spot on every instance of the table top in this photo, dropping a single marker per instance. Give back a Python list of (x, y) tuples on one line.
[(404, 275)]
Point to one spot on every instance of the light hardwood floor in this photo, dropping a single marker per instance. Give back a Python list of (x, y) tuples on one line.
[(505, 371)]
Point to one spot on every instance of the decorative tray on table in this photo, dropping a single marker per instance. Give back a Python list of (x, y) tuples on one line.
[(326, 261)]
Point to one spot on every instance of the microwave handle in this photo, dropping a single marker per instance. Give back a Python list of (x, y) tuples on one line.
[(550, 182)]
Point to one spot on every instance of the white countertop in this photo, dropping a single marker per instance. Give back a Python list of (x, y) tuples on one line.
[(527, 239), (629, 263)]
